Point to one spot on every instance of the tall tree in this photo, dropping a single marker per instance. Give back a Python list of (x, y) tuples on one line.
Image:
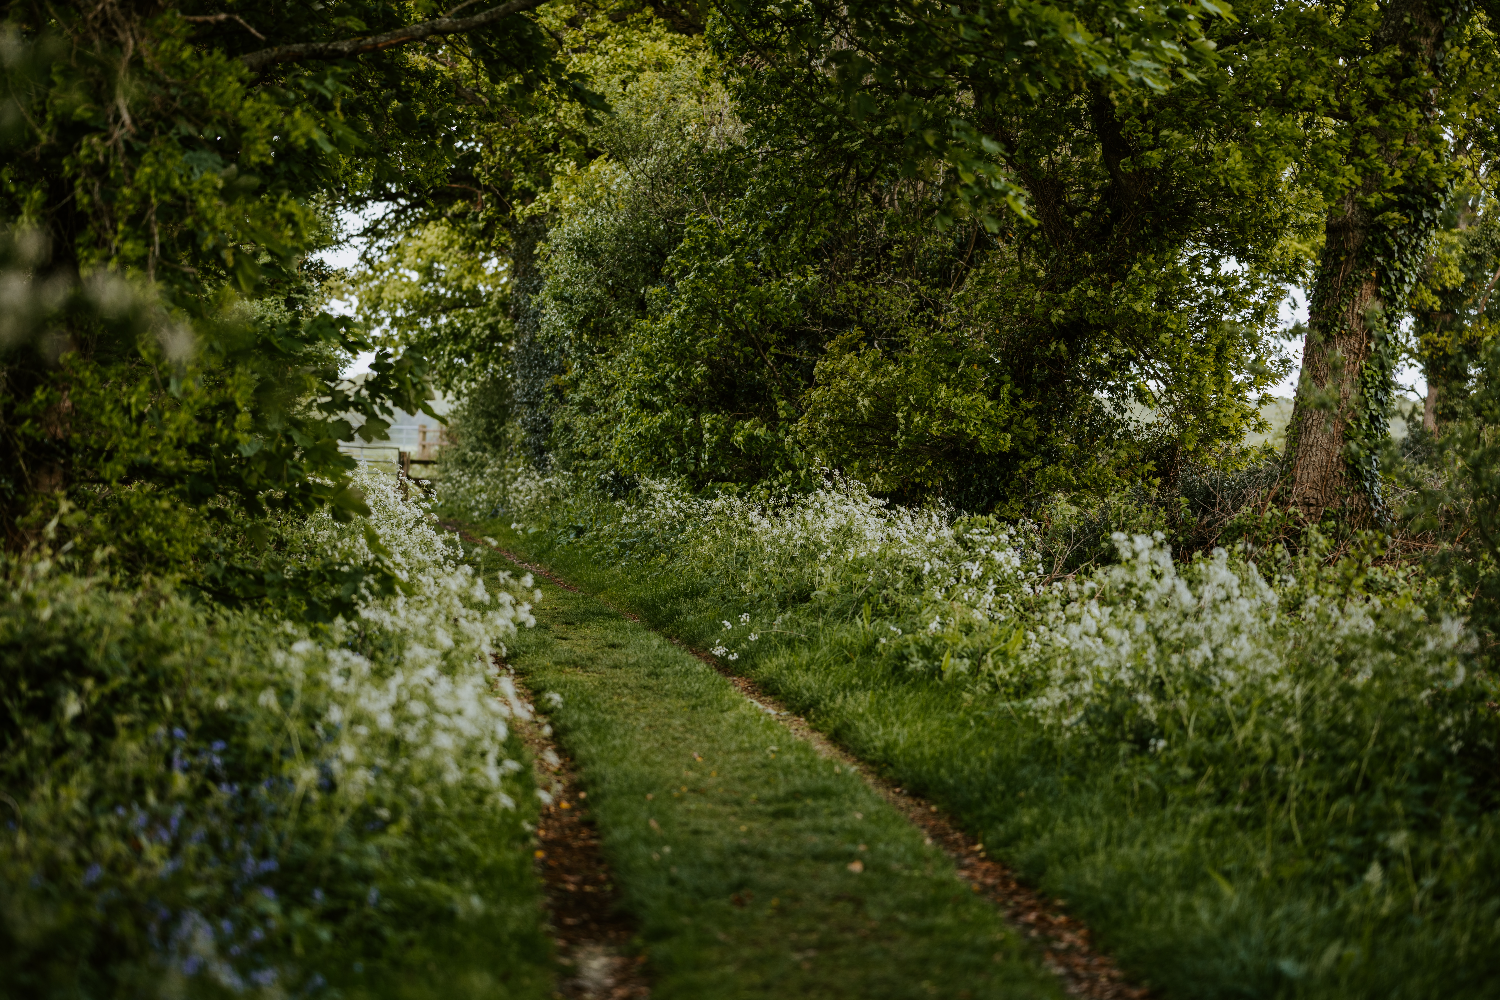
[(1454, 308), (1404, 81), (828, 290), (916, 77), (168, 172), (1138, 178)]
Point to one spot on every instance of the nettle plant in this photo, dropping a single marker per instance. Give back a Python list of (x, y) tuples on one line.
[(228, 801)]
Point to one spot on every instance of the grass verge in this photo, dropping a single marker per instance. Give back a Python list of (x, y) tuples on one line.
[(755, 867), (1193, 898), (210, 802)]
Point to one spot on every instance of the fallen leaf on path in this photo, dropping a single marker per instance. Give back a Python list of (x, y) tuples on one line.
[(856, 866)]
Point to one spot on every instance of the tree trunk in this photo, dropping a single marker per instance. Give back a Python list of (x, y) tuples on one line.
[(1346, 297), (1369, 256)]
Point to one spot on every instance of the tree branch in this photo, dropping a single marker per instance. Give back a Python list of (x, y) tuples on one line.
[(220, 19), (258, 61), (1484, 299)]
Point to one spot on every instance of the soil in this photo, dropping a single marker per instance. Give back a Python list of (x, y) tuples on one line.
[(593, 934)]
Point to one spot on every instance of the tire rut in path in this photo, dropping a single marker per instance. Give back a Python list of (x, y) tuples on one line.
[(591, 931), (1065, 941), (1066, 948)]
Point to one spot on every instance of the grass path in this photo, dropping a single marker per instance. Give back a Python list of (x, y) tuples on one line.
[(592, 934), (754, 866)]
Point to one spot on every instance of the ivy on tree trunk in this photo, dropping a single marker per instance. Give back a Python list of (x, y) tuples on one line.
[(1376, 236)]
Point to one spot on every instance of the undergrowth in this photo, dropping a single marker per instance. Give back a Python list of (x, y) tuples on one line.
[(216, 802), (1259, 771)]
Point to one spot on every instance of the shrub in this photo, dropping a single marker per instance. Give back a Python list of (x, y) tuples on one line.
[(210, 801)]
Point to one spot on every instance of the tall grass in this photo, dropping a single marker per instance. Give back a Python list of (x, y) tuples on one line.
[(1260, 772), (204, 801)]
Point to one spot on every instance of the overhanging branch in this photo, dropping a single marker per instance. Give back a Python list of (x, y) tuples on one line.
[(220, 19), (257, 61)]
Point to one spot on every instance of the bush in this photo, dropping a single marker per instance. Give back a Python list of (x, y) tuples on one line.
[(1457, 481), (206, 801)]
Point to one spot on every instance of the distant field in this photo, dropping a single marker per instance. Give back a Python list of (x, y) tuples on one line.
[(1278, 412)]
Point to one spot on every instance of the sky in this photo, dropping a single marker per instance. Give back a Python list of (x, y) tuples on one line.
[(342, 256), (1293, 310)]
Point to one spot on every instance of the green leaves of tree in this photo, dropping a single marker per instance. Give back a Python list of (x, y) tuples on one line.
[(171, 361), (917, 79)]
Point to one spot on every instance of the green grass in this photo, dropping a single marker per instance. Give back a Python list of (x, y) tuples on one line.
[(1193, 900), (733, 841), (462, 917)]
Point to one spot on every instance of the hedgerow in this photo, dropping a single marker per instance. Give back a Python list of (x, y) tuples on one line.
[(207, 801)]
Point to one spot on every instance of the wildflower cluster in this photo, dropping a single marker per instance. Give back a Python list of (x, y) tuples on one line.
[(1292, 677), (481, 486), (1150, 652), (430, 703), (232, 801), (837, 543)]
